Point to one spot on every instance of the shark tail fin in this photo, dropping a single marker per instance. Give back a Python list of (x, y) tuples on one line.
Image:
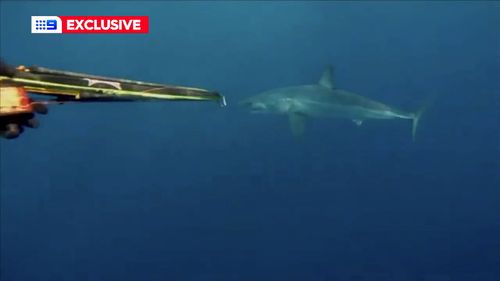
[(415, 121), (417, 115)]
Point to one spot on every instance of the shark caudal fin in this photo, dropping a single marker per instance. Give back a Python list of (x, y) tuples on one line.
[(415, 121), (417, 115)]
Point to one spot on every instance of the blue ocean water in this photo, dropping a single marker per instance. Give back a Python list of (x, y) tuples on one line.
[(192, 191)]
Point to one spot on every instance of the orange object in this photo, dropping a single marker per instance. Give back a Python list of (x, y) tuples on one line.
[(14, 100)]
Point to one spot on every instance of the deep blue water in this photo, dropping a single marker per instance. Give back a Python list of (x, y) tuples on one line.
[(192, 191)]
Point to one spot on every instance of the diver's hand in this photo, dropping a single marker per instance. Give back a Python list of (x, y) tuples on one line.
[(17, 111)]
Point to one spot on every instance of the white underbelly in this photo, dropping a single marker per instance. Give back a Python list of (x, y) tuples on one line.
[(351, 112)]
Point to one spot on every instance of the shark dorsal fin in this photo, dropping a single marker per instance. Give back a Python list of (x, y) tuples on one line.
[(326, 79)]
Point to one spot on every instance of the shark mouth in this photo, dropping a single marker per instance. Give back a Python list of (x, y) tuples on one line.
[(258, 108), (254, 107)]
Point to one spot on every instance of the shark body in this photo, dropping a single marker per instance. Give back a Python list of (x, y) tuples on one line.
[(323, 100)]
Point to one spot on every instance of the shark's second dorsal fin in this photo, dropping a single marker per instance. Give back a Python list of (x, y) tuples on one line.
[(327, 79)]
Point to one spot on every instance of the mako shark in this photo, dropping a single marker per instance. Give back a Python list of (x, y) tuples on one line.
[(324, 99)]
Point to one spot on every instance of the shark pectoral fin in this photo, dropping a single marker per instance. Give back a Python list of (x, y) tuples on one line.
[(297, 124), (326, 79), (358, 122)]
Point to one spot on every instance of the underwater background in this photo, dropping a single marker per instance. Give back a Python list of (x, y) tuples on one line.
[(193, 191)]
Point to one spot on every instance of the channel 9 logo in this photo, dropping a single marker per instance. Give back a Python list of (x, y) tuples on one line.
[(89, 24), (46, 24)]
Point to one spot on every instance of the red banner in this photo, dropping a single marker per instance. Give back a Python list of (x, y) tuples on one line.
[(105, 24)]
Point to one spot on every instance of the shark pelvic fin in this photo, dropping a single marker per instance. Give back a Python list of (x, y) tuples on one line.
[(297, 124), (327, 79)]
